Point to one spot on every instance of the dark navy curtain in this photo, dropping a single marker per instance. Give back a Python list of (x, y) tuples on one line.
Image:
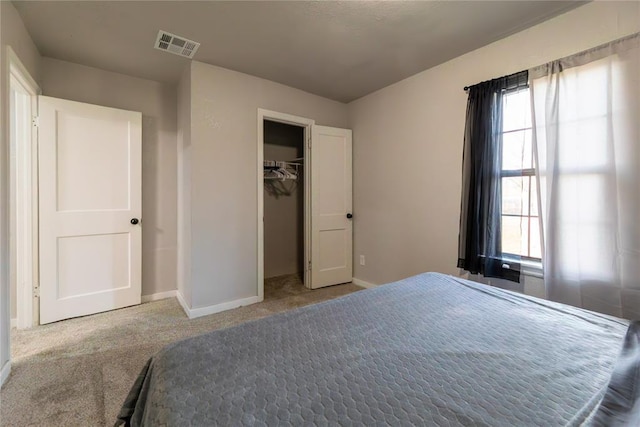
[(480, 240)]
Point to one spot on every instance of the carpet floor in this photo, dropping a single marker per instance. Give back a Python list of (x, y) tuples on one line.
[(78, 372)]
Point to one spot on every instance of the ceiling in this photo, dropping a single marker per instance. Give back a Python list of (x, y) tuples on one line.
[(339, 50)]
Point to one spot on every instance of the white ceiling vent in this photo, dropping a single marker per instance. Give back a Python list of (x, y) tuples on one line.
[(176, 44)]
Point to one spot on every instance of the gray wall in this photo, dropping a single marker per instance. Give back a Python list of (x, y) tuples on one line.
[(408, 143), (14, 34), (224, 174), (157, 102), (283, 204)]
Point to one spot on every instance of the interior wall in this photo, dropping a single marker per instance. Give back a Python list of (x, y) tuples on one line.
[(224, 174), (14, 34), (283, 204), (158, 103), (408, 143)]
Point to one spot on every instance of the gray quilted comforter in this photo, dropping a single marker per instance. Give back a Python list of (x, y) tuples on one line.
[(429, 350)]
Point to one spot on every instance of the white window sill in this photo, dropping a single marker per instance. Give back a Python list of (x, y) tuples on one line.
[(533, 270)]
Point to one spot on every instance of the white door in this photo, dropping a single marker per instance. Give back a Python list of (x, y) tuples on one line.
[(331, 222), (90, 208)]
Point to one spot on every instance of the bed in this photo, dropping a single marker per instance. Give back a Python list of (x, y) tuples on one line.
[(428, 350)]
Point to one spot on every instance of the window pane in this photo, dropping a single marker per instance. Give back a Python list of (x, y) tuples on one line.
[(534, 198), (514, 235), (520, 232), (536, 251), (515, 195), (516, 111), (516, 150)]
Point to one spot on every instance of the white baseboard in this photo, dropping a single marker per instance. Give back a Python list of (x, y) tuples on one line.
[(14, 323), (363, 284), (6, 370), (159, 296), (192, 313), (182, 302)]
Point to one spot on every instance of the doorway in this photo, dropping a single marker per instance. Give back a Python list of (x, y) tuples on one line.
[(283, 174), (283, 199), (23, 194), (326, 164)]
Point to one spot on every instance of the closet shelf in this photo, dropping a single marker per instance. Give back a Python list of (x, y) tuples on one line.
[(280, 170)]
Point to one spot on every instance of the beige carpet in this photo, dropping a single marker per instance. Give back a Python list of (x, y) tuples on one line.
[(78, 372)]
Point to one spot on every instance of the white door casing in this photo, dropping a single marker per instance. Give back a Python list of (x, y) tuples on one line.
[(23, 217), (90, 189), (23, 141), (331, 202)]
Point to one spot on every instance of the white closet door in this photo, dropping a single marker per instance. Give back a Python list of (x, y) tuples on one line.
[(331, 203), (90, 207)]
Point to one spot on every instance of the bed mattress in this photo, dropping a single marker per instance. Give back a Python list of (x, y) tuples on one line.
[(428, 350)]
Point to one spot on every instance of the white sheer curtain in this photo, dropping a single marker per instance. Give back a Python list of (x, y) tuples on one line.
[(587, 143)]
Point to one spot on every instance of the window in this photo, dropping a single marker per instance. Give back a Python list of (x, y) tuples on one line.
[(520, 222), (497, 153)]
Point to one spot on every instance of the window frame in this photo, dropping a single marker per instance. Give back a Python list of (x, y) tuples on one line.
[(530, 265)]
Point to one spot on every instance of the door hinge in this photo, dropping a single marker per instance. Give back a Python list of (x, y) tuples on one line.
[(309, 267), (309, 143), (35, 120), (36, 291)]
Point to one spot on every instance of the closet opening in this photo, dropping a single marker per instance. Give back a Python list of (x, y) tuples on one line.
[(284, 223), (284, 208)]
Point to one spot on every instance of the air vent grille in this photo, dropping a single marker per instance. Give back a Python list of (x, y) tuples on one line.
[(176, 44)]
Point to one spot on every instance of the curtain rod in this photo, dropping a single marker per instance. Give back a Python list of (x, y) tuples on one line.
[(604, 45), (466, 88)]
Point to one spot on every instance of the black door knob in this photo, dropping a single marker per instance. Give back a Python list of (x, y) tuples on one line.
[(349, 216), (134, 221)]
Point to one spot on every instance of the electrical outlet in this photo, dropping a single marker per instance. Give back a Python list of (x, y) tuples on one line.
[(361, 259)]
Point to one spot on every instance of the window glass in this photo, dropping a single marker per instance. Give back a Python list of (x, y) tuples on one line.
[(516, 150), (536, 247), (520, 222), (515, 195), (515, 235), (533, 202), (516, 113)]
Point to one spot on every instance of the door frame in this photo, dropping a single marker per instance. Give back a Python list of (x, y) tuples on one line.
[(305, 123), (24, 184)]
